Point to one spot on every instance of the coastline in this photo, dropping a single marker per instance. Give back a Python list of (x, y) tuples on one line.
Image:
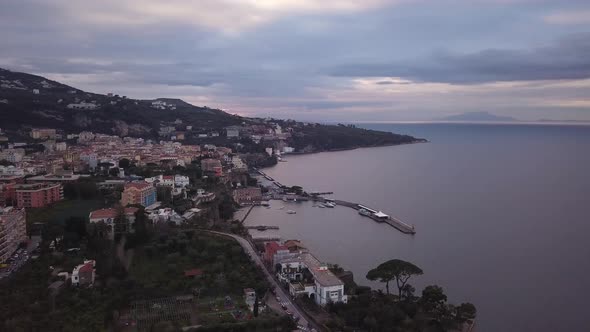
[(417, 141)]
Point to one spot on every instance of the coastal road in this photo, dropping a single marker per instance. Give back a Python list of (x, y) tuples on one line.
[(285, 298)]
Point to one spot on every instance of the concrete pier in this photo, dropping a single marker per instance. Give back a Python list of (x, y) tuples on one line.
[(392, 221)]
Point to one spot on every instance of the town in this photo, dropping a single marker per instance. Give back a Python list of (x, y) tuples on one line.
[(62, 193)]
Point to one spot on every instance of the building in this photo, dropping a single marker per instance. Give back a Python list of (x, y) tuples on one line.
[(141, 193), (35, 91), (232, 131), (60, 176), (82, 106), (247, 195), (13, 231), (84, 274), (43, 133), (181, 181), (324, 288), (12, 155), (271, 249), (37, 194), (212, 166), (108, 216)]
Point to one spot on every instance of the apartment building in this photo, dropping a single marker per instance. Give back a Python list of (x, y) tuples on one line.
[(141, 193), (38, 194), (13, 231)]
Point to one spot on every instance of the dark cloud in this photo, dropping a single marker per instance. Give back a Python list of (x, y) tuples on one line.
[(569, 58)]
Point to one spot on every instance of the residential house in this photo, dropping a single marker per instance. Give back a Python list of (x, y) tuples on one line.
[(84, 274)]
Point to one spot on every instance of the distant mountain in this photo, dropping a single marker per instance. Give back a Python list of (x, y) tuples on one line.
[(477, 117)]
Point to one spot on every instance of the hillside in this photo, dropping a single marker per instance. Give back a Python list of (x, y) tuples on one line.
[(29, 101)]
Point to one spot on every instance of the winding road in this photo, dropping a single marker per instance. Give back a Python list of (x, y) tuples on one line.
[(285, 298)]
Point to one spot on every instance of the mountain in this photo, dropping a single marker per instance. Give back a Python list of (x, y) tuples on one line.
[(30, 101), (477, 117), (35, 101)]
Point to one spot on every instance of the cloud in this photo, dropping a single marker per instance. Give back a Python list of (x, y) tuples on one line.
[(569, 17), (226, 15), (567, 59)]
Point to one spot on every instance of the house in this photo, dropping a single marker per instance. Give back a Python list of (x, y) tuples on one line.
[(108, 216), (84, 274), (141, 193), (271, 249), (35, 91), (181, 181), (210, 165), (232, 131), (83, 106), (250, 299), (247, 195)]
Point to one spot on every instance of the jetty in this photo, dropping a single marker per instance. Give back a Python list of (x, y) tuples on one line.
[(379, 216), (261, 227)]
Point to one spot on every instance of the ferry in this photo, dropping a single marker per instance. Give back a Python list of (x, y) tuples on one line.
[(364, 212), (291, 212)]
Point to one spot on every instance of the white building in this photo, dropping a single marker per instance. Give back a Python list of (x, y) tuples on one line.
[(35, 91), (84, 274), (181, 181), (326, 287), (61, 146), (268, 151), (108, 216), (82, 106), (288, 149)]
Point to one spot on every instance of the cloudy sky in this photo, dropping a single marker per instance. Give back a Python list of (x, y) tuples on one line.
[(321, 60)]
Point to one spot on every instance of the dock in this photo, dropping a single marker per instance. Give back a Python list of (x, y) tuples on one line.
[(381, 217), (261, 227)]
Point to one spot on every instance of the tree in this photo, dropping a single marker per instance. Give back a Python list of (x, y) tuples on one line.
[(255, 310), (120, 222), (433, 300), (465, 311), (395, 269), (124, 163)]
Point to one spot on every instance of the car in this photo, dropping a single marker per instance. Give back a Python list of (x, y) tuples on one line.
[(289, 313), (278, 299)]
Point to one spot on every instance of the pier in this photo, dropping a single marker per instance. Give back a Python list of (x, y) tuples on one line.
[(379, 216), (261, 227)]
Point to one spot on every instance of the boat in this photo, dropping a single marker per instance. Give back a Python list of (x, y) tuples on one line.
[(284, 199), (330, 205), (291, 212), (364, 212), (321, 205), (282, 207)]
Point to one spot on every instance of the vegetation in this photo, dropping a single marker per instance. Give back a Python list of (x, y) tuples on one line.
[(395, 269), (370, 310)]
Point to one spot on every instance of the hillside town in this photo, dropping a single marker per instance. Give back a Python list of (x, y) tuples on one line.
[(135, 184)]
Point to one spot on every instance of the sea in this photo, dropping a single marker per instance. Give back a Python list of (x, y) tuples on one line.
[(502, 217)]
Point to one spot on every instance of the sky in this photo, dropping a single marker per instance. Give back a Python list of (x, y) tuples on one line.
[(328, 60)]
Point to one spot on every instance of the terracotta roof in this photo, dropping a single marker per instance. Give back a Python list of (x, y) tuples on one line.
[(110, 213), (193, 272), (88, 267)]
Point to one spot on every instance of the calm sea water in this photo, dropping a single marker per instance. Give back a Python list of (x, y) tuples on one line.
[(502, 214)]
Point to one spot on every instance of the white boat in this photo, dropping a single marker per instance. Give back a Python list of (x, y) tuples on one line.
[(330, 205), (364, 212), (282, 207), (321, 205), (291, 212)]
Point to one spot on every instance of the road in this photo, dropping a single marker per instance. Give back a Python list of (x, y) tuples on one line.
[(285, 298)]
